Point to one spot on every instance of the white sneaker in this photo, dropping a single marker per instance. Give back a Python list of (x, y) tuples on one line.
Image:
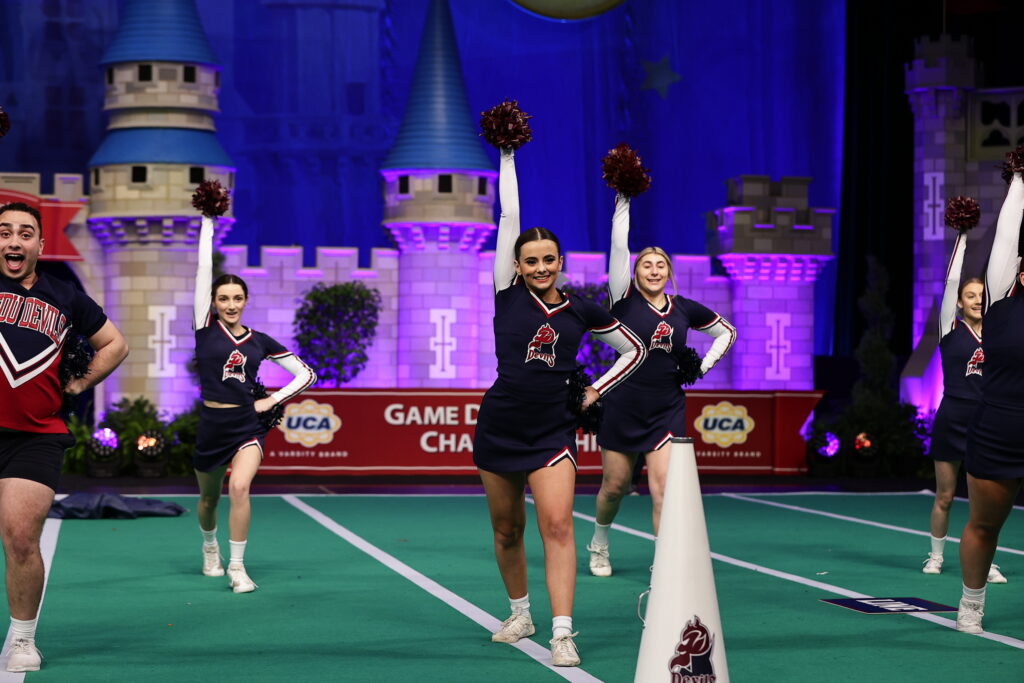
[(994, 575), (211, 560), (600, 565), (23, 656), (933, 565), (239, 580), (564, 652), (968, 617), (514, 628)]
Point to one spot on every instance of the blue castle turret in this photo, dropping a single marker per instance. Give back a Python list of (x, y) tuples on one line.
[(439, 191), (162, 83)]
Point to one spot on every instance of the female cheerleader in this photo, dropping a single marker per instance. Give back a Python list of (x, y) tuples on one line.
[(995, 454), (525, 433), (649, 409), (230, 432), (962, 362)]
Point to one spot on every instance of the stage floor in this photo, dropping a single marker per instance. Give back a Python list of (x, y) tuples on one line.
[(404, 587)]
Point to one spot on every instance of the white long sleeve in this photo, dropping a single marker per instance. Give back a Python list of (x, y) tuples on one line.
[(204, 276), (632, 353), (1002, 261), (508, 224), (304, 377), (725, 336), (618, 259), (947, 311)]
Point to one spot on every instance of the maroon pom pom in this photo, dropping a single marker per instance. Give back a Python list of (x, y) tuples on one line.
[(5, 122), (211, 198), (505, 125), (1014, 163), (624, 172), (962, 213)]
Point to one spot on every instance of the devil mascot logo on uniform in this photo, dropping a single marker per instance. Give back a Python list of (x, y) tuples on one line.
[(662, 337), (691, 662), (235, 367), (542, 347), (976, 362)]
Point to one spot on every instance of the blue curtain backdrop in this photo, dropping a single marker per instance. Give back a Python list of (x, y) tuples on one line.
[(313, 94)]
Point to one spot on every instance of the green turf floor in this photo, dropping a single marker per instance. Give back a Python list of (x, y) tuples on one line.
[(125, 599)]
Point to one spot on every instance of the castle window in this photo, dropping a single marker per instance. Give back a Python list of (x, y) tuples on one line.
[(231, 179), (403, 184), (189, 74), (196, 175), (444, 183), (216, 78), (110, 76), (145, 72), (481, 186), (95, 177), (138, 174)]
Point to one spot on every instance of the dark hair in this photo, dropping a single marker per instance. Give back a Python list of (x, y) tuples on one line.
[(22, 206), (969, 281), (229, 279), (535, 235)]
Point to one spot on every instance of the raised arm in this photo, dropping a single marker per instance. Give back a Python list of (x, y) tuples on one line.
[(1002, 261), (947, 311), (508, 224), (725, 336), (204, 276), (618, 259)]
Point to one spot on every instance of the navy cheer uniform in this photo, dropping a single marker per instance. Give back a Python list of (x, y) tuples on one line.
[(34, 326), (524, 421), (963, 361), (228, 367), (995, 447), (995, 444), (649, 409)]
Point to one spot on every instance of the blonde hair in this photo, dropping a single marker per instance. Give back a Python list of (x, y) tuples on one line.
[(660, 252)]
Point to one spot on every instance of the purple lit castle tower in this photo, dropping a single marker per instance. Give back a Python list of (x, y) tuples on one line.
[(961, 134), (439, 208), (161, 93), (773, 247)]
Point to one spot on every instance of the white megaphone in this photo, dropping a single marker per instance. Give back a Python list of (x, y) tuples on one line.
[(682, 640)]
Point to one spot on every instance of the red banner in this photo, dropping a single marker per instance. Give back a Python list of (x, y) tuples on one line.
[(430, 431)]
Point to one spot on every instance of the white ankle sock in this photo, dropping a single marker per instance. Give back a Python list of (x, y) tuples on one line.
[(209, 537), (561, 626), (23, 630), (237, 551), (521, 605), (975, 594), (600, 534), (938, 544)]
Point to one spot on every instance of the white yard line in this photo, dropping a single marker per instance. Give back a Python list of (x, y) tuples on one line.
[(539, 653), (855, 520), (820, 585)]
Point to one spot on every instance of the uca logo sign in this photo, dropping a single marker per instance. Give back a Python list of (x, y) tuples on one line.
[(724, 424), (309, 423)]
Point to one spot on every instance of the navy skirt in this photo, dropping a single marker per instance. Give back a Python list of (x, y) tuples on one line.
[(517, 435), (995, 447), (949, 430), (640, 420), (223, 432)]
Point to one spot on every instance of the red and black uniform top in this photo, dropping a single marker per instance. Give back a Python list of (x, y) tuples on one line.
[(34, 324)]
